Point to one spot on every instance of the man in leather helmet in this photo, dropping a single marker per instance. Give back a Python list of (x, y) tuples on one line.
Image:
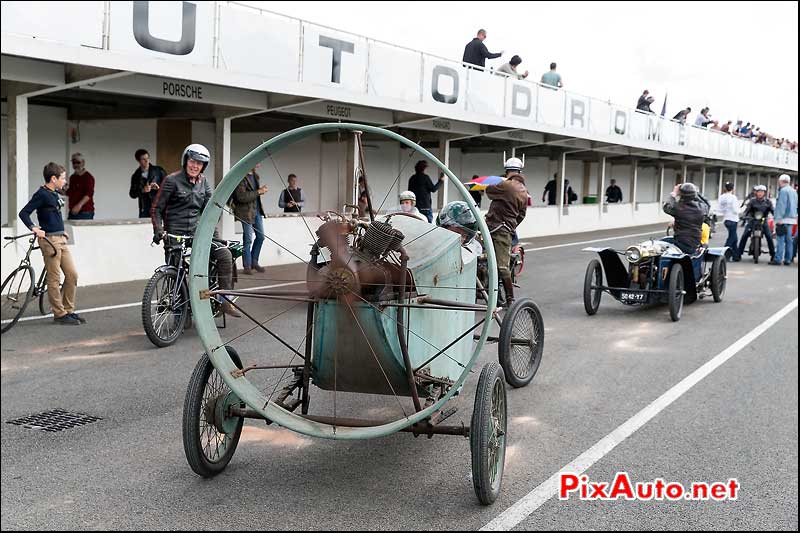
[(758, 204), (689, 213), (177, 208)]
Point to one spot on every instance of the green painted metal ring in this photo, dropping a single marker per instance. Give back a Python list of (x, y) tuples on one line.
[(204, 321)]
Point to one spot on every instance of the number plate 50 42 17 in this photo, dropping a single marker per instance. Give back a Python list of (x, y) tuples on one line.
[(633, 296)]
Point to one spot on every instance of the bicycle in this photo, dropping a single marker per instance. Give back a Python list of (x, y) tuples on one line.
[(165, 304), (18, 288)]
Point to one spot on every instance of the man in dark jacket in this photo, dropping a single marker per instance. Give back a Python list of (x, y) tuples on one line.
[(644, 102), (422, 187), (758, 204), (180, 200), (507, 210), (613, 193), (476, 53), (689, 214), (145, 181)]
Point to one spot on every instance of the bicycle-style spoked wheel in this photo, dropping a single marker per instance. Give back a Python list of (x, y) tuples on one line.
[(165, 305), (379, 322), (521, 342), (16, 292), (210, 434)]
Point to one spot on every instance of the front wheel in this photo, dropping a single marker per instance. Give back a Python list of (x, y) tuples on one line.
[(756, 244), (676, 292), (719, 278), (210, 436), (521, 342), (593, 278), (15, 292), (165, 305), (487, 434)]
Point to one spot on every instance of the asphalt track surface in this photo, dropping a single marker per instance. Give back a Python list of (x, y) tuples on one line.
[(128, 470)]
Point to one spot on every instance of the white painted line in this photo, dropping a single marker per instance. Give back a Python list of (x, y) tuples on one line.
[(136, 304), (518, 512), (654, 232)]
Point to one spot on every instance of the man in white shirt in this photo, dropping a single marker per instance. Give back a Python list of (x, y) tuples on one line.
[(728, 208)]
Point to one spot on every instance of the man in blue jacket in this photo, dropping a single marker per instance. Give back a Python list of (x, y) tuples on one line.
[(785, 218)]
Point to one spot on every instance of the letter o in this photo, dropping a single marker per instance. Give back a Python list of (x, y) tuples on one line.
[(439, 71)]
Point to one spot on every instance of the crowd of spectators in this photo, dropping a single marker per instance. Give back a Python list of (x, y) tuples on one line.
[(476, 53)]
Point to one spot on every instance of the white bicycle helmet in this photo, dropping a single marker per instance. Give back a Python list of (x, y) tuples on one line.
[(196, 152)]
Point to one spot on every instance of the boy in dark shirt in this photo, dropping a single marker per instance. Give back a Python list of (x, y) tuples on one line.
[(47, 204)]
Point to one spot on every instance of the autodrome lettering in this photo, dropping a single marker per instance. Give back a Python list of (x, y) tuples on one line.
[(182, 90)]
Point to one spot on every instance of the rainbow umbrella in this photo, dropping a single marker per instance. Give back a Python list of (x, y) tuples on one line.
[(480, 183)]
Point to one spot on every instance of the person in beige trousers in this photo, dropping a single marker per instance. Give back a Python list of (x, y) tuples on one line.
[(47, 203)]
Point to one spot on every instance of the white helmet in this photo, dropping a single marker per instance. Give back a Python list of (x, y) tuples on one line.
[(408, 195), (514, 163), (196, 152)]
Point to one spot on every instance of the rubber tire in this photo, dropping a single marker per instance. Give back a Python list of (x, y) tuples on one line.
[(192, 408), (44, 301), (147, 320), (676, 284), (504, 344), (719, 272), (589, 304), (756, 249), (480, 433), (6, 282)]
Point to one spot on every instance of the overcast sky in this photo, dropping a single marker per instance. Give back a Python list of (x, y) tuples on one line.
[(738, 58)]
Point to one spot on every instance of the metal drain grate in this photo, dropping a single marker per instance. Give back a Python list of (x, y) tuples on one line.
[(54, 420)]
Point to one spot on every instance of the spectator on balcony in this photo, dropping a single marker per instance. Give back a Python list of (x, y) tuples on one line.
[(737, 128), (510, 68), (552, 78), (682, 115), (644, 102), (613, 193), (476, 53), (703, 120), (726, 127), (744, 131)]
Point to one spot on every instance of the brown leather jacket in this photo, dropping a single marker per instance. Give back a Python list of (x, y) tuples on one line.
[(509, 203)]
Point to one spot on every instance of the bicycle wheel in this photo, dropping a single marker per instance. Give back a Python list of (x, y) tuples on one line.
[(44, 301), (210, 436), (16, 290), (164, 309)]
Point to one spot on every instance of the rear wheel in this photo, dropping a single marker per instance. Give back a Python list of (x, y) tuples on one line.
[(719, 278), (593, 278), (210, 437), (676, 292), (487, 434), (164, 308), (521, 342), (16, 292)]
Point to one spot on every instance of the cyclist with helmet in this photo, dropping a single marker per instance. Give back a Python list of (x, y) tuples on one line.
[(758, 204), (408, 204), (177, 208), (689, 214), (507, 210)]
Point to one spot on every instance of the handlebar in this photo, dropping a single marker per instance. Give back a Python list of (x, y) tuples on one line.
[(16, 237)]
